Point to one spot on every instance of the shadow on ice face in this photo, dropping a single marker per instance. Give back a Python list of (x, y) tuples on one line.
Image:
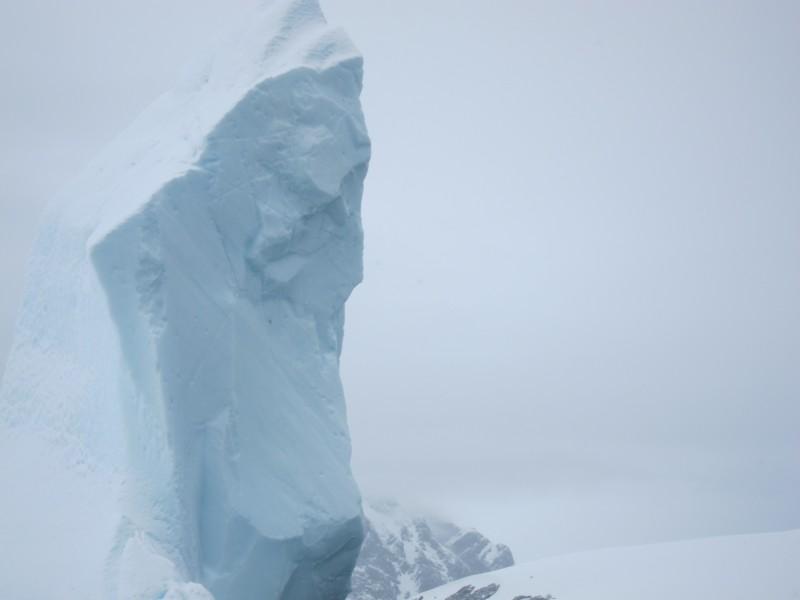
[(228, 291)]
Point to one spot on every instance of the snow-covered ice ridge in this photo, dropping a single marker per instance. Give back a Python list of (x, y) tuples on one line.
[(740, 567), (172, 421)]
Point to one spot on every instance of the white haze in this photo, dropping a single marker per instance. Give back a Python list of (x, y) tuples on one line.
[(580, 324)]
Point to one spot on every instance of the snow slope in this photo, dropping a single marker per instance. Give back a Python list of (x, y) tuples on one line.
[(741, 567), (405, 552), (172, 422)]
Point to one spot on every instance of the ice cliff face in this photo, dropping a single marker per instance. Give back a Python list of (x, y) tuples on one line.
[(172, 421), (404, 554)]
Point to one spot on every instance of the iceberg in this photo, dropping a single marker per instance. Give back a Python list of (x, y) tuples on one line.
[(172, 420)]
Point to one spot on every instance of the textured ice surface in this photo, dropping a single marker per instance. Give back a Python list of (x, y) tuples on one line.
[(172, 422)]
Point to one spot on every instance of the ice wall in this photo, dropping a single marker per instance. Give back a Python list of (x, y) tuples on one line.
[(172, 422)]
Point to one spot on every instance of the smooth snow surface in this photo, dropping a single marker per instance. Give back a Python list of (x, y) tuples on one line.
[(741, 567), (172, 422)]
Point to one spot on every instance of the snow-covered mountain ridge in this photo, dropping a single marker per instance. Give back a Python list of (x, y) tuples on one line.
[(742, 567), (405, 553)]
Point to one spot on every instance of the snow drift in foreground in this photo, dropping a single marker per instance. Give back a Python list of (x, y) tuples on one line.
[(740, 567), (172, 422)]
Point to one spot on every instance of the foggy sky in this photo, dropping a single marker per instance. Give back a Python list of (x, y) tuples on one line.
[(580, 323)]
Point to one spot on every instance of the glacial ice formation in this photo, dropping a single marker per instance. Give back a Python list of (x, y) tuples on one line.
[(172, 422)]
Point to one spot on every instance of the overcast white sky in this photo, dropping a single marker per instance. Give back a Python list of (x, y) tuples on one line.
[(580, 324)]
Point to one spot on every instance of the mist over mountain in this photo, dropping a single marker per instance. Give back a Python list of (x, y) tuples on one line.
[(407, 552)]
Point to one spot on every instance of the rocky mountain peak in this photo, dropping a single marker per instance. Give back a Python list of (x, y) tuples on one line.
[(405, 553)]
